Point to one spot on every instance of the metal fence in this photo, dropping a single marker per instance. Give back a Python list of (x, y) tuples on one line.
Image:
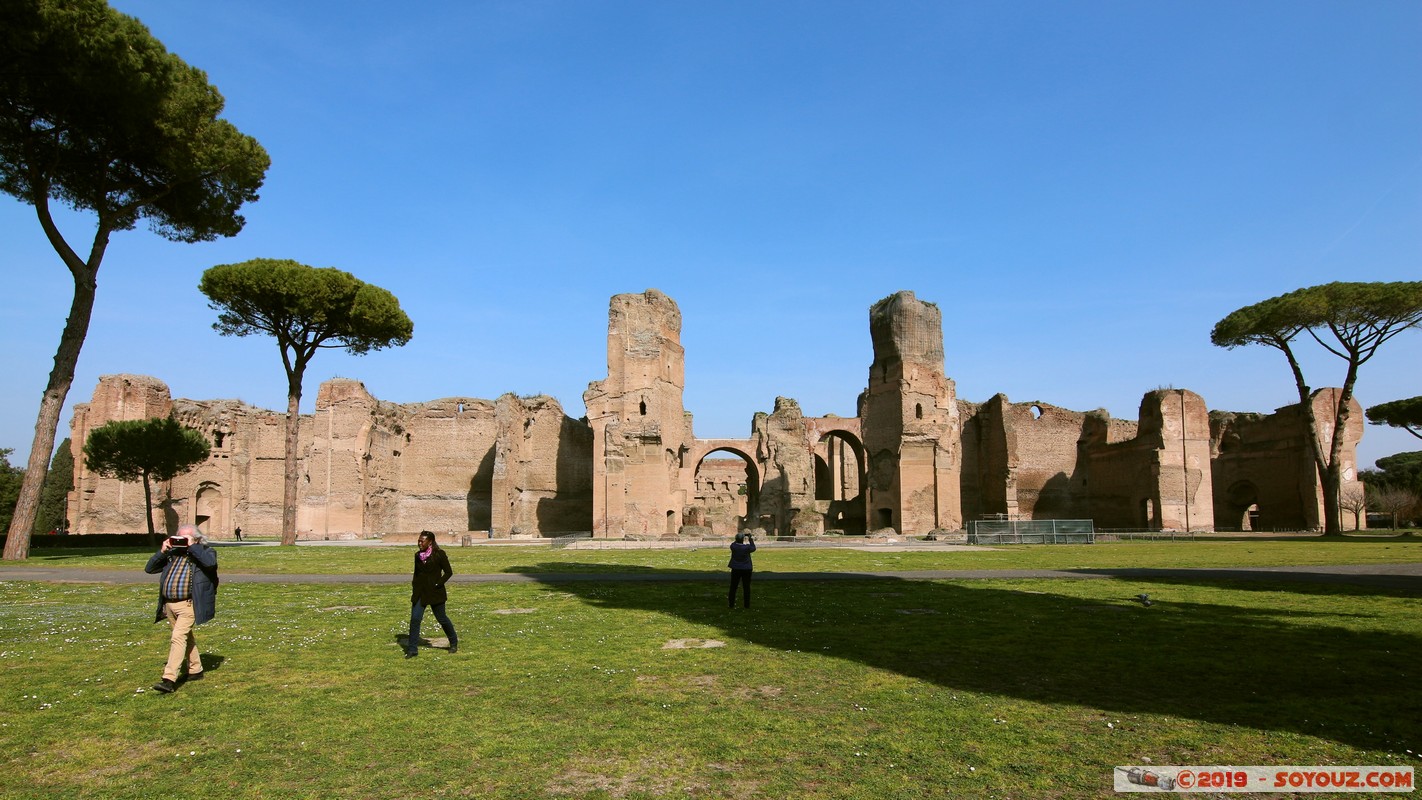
[(1032, 531), (1136, 534)]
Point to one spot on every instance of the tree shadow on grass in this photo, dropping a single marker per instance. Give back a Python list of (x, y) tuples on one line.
[(1373, 580), (1277, 669)]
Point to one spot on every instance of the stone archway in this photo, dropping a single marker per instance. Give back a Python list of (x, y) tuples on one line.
[(725, 491), (840, 481), (209, 512)]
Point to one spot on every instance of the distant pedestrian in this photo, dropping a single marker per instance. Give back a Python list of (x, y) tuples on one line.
[(187, 597), (741, 568), (432, 572), (237, 531)]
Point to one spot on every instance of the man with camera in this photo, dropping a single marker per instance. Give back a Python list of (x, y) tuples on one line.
[(187, 597), (741, 567)]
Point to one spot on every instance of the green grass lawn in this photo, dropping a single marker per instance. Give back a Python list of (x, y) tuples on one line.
[(1242, 552), (834, 689)]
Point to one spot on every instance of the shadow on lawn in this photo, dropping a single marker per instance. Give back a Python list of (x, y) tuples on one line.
[(1280, 670), (1396, 584)]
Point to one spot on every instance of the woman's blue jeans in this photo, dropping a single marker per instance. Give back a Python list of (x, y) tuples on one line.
[(417, 613)]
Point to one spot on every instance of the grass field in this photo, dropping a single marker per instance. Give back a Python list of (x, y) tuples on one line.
[(827, 689), (1242, 552)]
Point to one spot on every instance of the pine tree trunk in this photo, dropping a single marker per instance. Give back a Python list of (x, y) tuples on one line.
[(17, 545), (148, 510), (288, 495)]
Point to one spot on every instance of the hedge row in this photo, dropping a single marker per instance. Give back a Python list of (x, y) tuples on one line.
[(50, 541)]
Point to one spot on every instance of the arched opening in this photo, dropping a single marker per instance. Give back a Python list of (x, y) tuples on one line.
[(840, 481), (1036, 412), (1242, 506), (1149, 518), (918, 411), (207, 512), (726, 492)]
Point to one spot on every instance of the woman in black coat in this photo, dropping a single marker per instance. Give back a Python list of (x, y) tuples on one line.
[(432, 572)]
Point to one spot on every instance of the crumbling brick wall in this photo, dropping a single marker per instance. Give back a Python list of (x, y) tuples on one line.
[(1265, 476)]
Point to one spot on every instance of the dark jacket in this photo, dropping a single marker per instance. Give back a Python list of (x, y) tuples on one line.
[(741, 555), (204, 560), (427, 585)]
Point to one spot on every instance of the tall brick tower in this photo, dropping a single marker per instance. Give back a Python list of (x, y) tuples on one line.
[(911, 422), (638, 420)]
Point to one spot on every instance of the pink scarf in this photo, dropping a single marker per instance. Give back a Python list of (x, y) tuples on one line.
[(425, 554)]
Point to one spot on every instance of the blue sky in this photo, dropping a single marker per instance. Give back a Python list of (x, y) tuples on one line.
[(1084, 188)]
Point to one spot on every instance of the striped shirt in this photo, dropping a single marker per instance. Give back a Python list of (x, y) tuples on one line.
[(177, 579)]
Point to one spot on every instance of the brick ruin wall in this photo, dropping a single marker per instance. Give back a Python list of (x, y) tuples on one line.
[(366, 466), (915, 459), (1264, 473)]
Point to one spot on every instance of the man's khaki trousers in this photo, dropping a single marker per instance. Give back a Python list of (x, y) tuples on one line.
[(183, 646)]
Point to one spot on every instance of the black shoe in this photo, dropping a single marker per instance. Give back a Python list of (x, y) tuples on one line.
[(411, 653), (165, 686), (193, 676), (454, 648)]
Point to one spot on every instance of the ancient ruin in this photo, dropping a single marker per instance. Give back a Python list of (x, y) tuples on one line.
[(915, 459)]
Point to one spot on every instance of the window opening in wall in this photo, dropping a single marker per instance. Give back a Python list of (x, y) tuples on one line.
[(918, 411), (1036, 412), (461, 408), (642, 407), (217, 438), (886, 518)]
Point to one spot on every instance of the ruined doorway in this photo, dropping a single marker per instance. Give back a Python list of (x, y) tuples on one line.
[(1149, 518), (207, 512), (479, 501), (839, 483), (726, 491), (1241, 507)]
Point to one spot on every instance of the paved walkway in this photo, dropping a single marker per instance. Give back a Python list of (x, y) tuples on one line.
[(1387, 576)]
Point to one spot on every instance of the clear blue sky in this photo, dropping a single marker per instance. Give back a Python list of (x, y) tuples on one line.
[(1084, 188)]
